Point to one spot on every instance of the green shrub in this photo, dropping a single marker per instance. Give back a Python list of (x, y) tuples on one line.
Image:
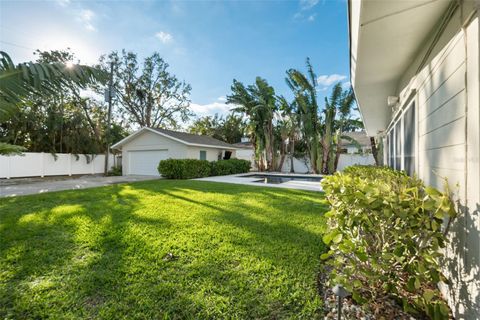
[(184, 168), (230, 166), (385, 232), (115, 171), (193, 168)]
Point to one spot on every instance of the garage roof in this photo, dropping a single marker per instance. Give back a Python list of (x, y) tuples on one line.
[(182, 137)]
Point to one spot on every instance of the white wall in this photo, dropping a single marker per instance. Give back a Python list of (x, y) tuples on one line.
[(448, 138), (212, 153), (347, 160), (151, 141), (35, 164), (299, 165)]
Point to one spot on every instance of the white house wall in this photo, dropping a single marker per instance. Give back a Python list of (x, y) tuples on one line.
[(151, 141), (212, 153), (448, 140)]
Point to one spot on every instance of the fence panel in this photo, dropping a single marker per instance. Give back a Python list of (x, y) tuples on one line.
[(347, 160), (37, 164)]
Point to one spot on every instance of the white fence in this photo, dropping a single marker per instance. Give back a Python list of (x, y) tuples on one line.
[(34, 164), (303, 165), (299, 165), (347, 160)]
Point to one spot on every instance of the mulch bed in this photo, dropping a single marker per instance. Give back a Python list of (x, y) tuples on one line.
[(386, 309)]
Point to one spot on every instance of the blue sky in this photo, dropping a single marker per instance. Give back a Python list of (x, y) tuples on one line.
[(206, 43)]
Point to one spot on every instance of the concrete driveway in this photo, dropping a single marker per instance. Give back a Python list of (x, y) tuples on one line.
[(24, 186)]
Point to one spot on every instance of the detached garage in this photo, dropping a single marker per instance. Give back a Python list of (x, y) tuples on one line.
[(143, 150)]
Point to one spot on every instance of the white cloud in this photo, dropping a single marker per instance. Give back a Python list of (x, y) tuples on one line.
[(222, 98), (63, 3), (210, 109), (165, 37), (303, 12), (329, 79), (86, 16), (308, 4)]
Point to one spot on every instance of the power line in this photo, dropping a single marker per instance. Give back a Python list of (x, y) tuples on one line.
[(16, 45)]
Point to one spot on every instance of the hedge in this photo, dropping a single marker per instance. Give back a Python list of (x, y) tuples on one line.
[(193, 168), (231, 166), (184, 168), (385, 232)]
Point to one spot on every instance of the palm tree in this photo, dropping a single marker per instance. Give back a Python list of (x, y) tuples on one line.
[(289, 128), (258, 102), (304, 88), (17, 82)]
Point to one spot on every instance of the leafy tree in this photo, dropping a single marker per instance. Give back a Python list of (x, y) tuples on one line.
[(304, 88), (19, 83), (229, 129), (60, 120), (322, 128), (289, 124), (340, 107), (207, 126), (148, 94), (259, 103)]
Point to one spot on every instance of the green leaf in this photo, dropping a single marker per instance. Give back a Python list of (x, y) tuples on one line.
[(432, 191), (444, 310), (417, 283), (358, 298), (361, 256), (428, 295), (337, 238), (327, 255), (327, 238)]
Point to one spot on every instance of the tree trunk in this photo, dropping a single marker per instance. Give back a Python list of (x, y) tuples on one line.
[(337, 155), (282, 157), (374, 150), (292, 151)]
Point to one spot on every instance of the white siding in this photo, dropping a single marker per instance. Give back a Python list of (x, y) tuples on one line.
[(212, 153), (151, 141), (448, 122)]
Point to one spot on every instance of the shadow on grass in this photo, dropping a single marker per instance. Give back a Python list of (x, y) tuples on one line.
[(104, 252)]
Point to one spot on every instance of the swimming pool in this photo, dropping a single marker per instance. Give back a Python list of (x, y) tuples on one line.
[(277, 179)]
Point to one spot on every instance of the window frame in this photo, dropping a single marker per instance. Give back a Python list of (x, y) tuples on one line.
[(204, 152), (391, 136)]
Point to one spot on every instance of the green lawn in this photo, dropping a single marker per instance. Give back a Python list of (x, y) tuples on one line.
[(239, 252)]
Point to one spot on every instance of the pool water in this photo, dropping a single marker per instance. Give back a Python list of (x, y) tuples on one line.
[(277, 179)]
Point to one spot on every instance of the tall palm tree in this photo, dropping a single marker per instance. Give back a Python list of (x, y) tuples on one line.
[(304, 88), (290, 124), (258, 102), (17, 82)]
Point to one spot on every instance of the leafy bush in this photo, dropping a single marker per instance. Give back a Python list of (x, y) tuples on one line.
[(184, 168), (385, 235), (193, 168), (230, 166), (115, 171)]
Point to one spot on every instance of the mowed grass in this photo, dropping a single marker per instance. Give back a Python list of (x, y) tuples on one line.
[(162, 250)]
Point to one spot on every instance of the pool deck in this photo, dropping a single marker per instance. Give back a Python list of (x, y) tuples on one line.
[(241, 179)]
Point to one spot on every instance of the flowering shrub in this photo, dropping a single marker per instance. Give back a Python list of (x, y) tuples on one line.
[(385, 232)]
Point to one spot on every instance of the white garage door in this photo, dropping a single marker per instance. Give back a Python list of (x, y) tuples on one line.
[(145, 162)]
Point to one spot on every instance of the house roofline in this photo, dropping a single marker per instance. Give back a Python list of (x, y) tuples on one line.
[(126, 139)]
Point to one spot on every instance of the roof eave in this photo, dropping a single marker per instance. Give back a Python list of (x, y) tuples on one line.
[(126, 139)]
